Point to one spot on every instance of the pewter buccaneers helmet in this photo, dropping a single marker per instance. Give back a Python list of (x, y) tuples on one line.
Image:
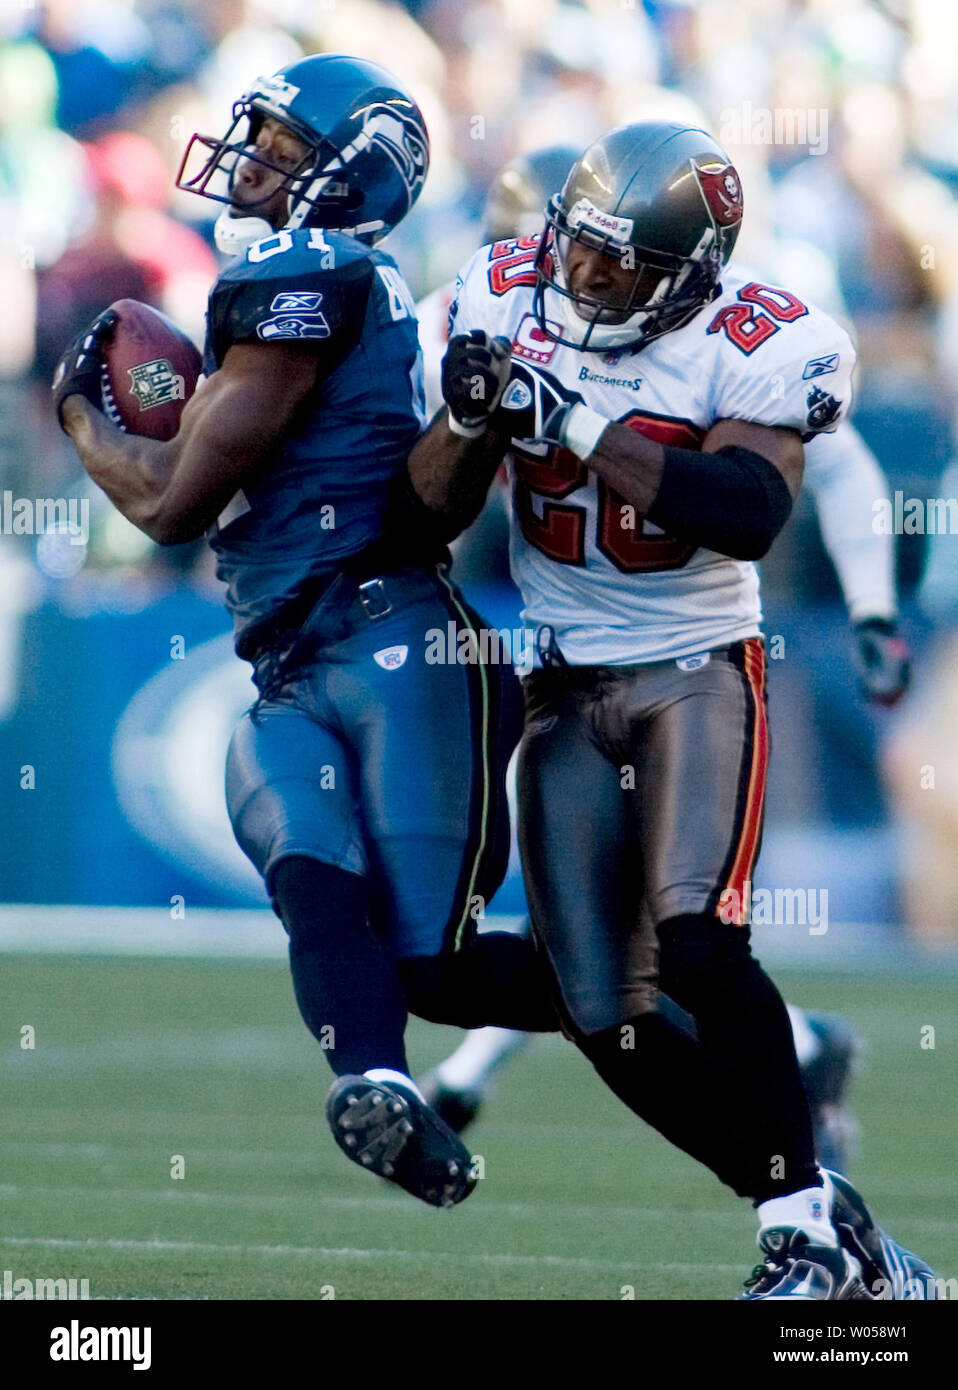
[(368, 149), (657, 196)]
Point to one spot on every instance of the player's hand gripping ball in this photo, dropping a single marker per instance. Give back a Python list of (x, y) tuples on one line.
[(135, 366), (475, 370), (79, 369)]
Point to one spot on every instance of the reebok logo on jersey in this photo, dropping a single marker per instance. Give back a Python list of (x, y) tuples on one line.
[(391, 658), (296, 302), (295, 315), (820, 366), (693, 663)]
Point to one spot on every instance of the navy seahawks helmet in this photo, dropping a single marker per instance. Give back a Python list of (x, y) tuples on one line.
[(368, 148), (660, 198)]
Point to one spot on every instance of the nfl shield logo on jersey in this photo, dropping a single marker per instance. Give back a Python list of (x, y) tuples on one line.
[(155, 383), (391, 658)]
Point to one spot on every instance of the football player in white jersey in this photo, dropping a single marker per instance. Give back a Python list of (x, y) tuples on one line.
[(844, 477), (652, 406)]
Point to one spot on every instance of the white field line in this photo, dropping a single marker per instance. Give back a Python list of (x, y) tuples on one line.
[(894, 1187), (378, 1199), (346, 1253), (373, 1202)]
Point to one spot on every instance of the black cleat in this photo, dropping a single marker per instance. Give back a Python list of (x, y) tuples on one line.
[(386, 1128), (796, 1269), (826, 1079), (458, 1108), (888, 1269)]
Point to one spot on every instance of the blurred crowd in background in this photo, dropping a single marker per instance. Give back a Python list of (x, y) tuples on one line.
[(855, 201)]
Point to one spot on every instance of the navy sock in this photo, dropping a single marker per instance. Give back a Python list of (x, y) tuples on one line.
[(498, 979), (345, 979)]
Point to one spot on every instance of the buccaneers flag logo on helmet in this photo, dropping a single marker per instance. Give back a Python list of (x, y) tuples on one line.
[(722, 191)]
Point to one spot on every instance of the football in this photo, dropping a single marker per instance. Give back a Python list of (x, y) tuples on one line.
[(150, 370)]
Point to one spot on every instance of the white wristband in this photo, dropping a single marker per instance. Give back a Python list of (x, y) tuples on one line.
[(582, 429), (465, 431)]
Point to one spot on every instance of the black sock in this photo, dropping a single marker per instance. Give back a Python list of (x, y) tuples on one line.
[(661, 1073), (497, 979), (346, 981), (743, 1024)]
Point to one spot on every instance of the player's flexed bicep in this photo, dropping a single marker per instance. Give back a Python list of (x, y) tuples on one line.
[(280, 320), (173, 490), (229, 431)]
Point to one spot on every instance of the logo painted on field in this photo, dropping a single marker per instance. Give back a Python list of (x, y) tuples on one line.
[(530, 341), (820, 366), (391, 658), (156, 383)]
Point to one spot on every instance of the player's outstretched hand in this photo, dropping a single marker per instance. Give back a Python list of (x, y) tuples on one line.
[(78, 371), (475, 370), (883, 661)]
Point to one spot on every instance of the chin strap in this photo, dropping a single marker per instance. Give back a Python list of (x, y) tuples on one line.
[(235, 235)]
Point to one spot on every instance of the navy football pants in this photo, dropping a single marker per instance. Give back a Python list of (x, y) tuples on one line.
[(371, 758)]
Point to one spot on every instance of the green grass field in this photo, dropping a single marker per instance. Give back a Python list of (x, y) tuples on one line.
[(139, 1060)]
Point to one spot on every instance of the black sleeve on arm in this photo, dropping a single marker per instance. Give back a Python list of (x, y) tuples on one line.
[(414, 532), (733, 501)]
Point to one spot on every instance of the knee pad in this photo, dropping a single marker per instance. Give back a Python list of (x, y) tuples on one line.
[(697, 949)]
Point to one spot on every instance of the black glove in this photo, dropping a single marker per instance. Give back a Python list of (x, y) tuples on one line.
[(475, 370), (883, 661), (78, 372)]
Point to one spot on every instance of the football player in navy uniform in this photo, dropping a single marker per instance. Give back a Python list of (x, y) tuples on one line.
[(636, 522), (365, 784)]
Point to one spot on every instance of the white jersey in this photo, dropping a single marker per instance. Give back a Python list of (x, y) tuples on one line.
[(614, 588)]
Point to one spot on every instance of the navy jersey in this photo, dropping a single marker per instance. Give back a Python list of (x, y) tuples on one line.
[(322, 497)]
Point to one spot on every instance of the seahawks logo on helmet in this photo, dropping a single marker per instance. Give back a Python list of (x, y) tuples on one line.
[(400, 139)]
